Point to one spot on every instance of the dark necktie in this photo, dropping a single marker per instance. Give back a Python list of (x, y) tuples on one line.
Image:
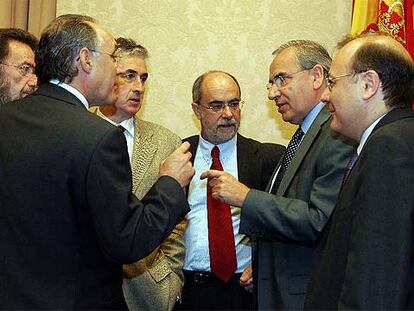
[(121, 128), (287, 158), (223, 261), (349, 167)]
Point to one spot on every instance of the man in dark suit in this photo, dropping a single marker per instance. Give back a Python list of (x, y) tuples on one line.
[(68, 219), (217, 104), (287, 221), (365, 260)]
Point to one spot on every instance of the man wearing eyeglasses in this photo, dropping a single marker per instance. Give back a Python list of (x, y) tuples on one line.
[(217, 104), (286, 219), (154, 282), (365, 260), (17, 78)]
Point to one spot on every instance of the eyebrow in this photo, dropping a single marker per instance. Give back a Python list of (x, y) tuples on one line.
[(222, 101), (280, 73), (128, 71)]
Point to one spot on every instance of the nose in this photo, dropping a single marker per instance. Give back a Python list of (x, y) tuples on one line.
[(32, 81), (325, 95), (273, 93), (227, 112), (138, 85)]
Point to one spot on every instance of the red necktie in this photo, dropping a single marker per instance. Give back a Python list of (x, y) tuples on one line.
[(220, 231)]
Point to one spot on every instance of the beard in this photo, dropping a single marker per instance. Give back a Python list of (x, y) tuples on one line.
[(4, 91)]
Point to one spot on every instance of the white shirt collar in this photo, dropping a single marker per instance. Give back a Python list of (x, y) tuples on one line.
[(128, 124), (366, 134), (71, 90), (226, 149)]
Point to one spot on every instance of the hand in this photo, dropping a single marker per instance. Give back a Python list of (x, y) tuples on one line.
[(246, 279), (178, 166), (226, 188)]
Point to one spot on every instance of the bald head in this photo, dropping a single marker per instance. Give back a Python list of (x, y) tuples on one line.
[(209, 76), (389, 59)]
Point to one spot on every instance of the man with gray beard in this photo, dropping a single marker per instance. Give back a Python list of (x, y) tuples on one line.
[(222, 281), (17, 78)]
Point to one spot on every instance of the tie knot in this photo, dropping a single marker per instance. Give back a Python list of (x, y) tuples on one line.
[(298, 134), (215, 152), (121, 128)]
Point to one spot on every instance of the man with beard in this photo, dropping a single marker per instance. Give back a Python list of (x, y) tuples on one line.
[(212, 282), (17, 63)]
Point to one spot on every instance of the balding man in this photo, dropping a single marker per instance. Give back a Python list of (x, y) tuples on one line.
[(217, 104), (366, 256)]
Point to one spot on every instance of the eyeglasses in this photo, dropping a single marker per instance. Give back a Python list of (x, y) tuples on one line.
[(112, 55), (282, 79), (24, 70), (218, 106), (131, 76), (330, 81)]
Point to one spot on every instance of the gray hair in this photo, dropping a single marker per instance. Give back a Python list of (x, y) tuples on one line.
[(130, 47), (308, 53), (60, 44)]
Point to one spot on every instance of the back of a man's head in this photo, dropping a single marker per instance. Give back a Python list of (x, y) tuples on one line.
[(60, 44), (15, 34), (386, 56)]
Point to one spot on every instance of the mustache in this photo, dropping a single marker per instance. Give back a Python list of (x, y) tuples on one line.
[(227, 122)]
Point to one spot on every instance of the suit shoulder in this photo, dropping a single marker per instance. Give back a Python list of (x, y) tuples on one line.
[(191, 139), (158, 134), (263, 147), (159, 129)]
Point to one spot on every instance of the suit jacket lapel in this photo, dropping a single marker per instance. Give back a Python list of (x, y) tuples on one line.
[(303, 149), (247, 164), (142, 154)]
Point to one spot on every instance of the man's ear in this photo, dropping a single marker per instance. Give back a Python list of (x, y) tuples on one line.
[(370, 84), (196, 109), (85, 60), (318, 77)]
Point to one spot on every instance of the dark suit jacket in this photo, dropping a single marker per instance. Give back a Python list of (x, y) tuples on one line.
[(287, 224), (365, 259), (255, 160), (68, 219)]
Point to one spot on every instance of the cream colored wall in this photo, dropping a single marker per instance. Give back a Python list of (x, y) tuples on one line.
[(188, 37)]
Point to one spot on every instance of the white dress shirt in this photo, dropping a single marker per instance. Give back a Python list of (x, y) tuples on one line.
[(197, 257), (366, 134), (129, 131)]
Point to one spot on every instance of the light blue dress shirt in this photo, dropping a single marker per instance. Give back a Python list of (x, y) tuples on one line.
[(305, 126)]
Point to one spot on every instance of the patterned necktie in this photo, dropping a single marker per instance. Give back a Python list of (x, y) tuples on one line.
[(223, 260), (287, 158)]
